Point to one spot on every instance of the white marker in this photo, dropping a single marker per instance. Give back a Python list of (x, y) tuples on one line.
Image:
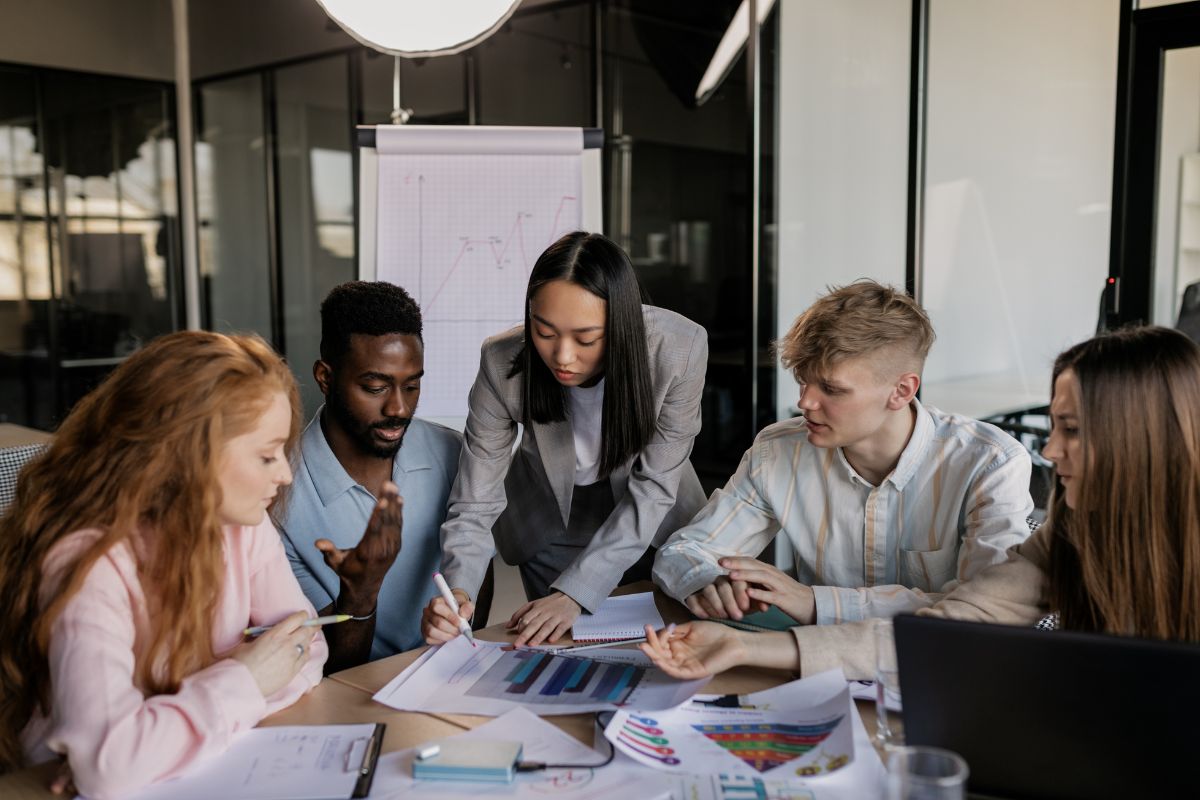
[(448, 596), (428, 752)]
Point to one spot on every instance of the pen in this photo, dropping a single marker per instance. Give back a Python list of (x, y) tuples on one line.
[(575, 648), (365, 769), (448, 596), (332, 619)]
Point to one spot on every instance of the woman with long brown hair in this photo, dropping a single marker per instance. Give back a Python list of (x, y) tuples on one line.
[(137, 550), (1119, 552)]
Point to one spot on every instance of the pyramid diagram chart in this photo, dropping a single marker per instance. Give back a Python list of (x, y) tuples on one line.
[(766, 746)]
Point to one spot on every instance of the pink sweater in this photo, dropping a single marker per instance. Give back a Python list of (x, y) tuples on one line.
[(116, 737)]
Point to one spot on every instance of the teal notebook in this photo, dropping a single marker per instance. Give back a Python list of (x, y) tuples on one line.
[(470, 760), (770, 620)]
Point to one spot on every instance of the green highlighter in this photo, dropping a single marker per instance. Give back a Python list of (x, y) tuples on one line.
[(480, 760), (770, 620)]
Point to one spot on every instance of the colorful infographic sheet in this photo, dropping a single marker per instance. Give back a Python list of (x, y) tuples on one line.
[(804, 731), (492, 678)]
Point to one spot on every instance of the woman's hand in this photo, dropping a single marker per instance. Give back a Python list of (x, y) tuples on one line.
[(770, 586), (438, 623), (544, 620), (695, 649), (275, 657)]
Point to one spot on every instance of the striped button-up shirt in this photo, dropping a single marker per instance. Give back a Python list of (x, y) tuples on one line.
[(956, 501)]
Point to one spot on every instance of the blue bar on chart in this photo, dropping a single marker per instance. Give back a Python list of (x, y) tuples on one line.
[(559, 680), (528, 676), (582, 669), (538, 677)]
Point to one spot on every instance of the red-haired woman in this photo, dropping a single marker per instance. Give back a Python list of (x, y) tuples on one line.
[(137, 550)]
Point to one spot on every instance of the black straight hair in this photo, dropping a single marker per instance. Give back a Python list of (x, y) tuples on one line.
[(595, 263)]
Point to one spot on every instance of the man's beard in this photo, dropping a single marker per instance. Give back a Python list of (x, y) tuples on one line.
[(360, 431)]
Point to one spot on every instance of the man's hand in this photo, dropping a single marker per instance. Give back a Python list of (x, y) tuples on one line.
[(438, 623), (544, 620), (695, 649), (723, 599), (362, 568), (770, 586)]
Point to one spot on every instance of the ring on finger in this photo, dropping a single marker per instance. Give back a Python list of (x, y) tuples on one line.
[(299, 651)]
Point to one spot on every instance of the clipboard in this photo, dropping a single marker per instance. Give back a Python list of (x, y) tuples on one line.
[(283, 763), (366, 770)]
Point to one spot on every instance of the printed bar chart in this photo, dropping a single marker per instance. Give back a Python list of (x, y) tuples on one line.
[(557, 680)]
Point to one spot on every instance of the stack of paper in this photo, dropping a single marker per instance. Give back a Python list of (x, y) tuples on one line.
[(624, 617)]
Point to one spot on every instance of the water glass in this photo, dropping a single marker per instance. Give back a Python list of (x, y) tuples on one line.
[(888, 731), (925, 773)]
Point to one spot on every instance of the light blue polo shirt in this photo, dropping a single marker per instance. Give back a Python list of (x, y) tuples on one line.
[(325, 502)]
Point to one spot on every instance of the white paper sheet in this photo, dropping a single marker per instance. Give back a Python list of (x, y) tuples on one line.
[(461, 216), (287, 762), (623, 617), (542, 742), (494, 678), (862, 778), (800, 729)]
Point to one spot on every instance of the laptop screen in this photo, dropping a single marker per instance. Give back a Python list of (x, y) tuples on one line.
[(1052, 713)]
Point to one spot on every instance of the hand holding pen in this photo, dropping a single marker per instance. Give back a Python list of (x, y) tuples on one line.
[(451, 601), (281, 651)]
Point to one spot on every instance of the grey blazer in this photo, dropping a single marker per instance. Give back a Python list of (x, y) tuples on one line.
[(524, 498)]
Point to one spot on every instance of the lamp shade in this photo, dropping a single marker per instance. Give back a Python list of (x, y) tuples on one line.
[(419, 28)]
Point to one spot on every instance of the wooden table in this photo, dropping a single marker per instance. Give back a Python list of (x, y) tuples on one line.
[(345, 697), (370, 678)]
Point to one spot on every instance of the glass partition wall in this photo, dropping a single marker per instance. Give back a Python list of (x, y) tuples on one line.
[(1017, 187), (89, 248), (276, 176)]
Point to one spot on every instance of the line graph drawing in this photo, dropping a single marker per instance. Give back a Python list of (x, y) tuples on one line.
[(498, 256), (461, 233)]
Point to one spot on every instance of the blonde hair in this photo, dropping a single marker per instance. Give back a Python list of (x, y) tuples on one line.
[(1126, 559), (863, 319), (140, 454)]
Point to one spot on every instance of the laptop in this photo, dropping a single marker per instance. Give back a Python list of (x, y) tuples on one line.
[(1052, 713)]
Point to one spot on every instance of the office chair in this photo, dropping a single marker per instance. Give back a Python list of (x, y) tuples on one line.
[(1030, 426), (12, 461), (1189, 312), (1050, 621)]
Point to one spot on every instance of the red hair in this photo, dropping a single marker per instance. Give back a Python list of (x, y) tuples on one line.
[(139, 455)]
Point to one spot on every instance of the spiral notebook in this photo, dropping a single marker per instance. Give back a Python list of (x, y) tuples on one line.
[(623, 617)]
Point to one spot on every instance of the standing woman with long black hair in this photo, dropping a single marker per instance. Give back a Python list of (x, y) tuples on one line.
[(608, 391)]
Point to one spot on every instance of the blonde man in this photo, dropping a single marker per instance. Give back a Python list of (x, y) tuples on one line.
[(887, 504)]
